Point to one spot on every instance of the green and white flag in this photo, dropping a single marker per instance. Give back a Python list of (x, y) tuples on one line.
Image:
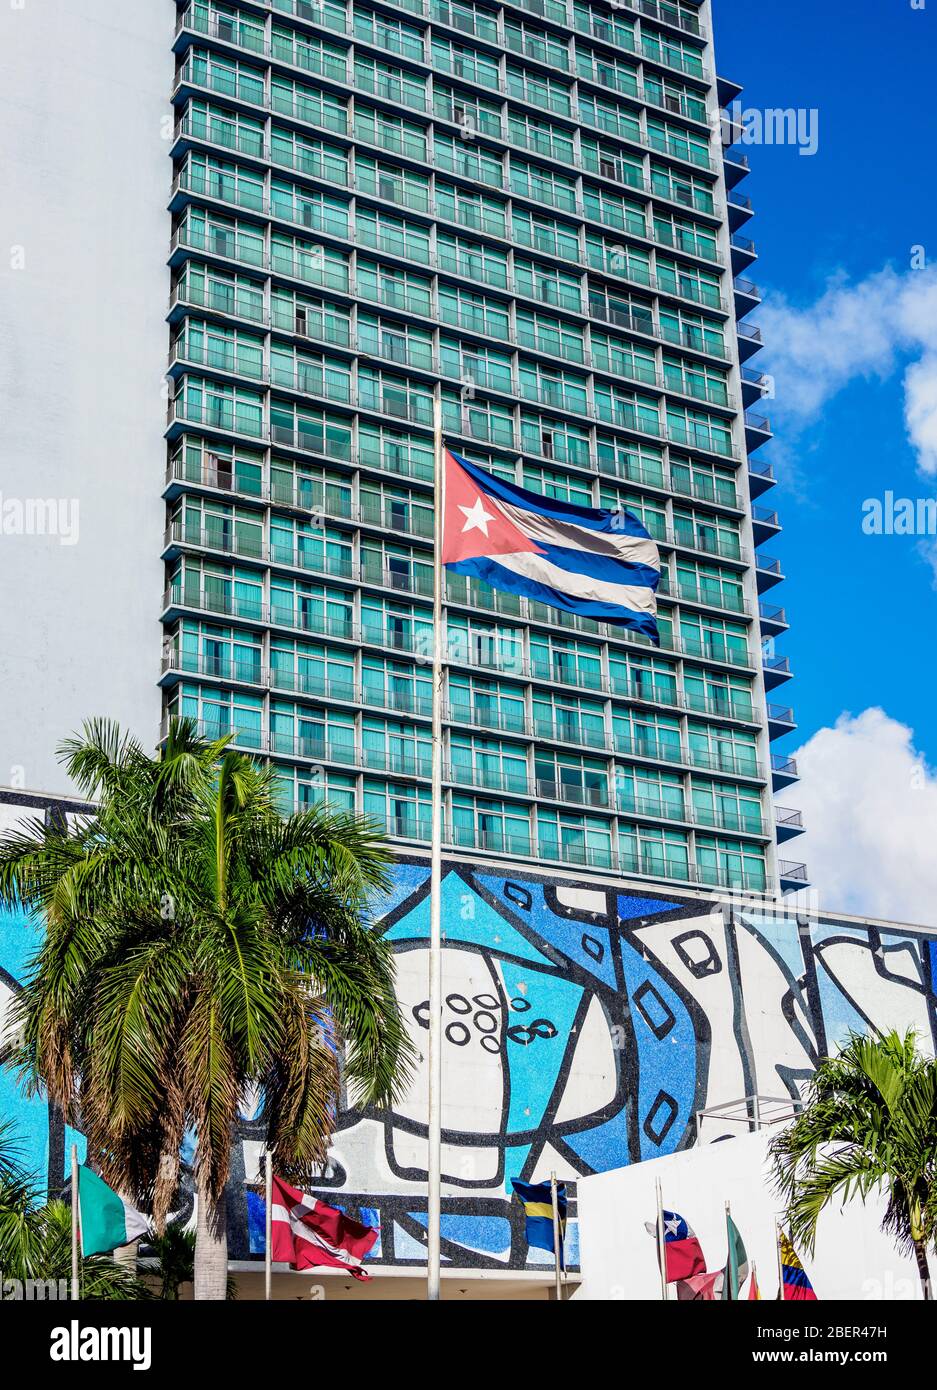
[(736, 1270), (105, 1219)]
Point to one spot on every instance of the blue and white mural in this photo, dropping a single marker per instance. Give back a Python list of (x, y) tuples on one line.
[(585, 1026)]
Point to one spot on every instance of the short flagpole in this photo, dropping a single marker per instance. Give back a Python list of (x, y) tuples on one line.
[(557, 1237), (268, 1225), (434, 1107), (75, 1290), (777, 1248), (729, 1258), (661, 1244)]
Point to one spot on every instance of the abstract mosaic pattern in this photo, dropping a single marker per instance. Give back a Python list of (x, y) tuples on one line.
[(584, 1029)]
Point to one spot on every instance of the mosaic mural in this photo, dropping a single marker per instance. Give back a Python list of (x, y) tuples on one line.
[(584, 1029)]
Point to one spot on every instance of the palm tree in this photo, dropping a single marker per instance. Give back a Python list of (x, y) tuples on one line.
[(174, 1250), (869, 1123), (199, 944), (174, 1254), (36, 1238)]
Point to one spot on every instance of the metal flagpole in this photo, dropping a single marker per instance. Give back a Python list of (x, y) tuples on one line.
[(777, 1248), (557, 1237), (661, 1244), (434, 1108), (75, 1292), (268, 1225)]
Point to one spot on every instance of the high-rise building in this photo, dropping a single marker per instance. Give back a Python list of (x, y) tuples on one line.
[(533, 205)]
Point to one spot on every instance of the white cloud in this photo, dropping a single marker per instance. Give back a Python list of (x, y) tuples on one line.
[(870, 810), (920, 390), (859, 331)]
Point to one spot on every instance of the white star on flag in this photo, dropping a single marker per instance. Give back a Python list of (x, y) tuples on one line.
[(672, 1226), (476, 518)]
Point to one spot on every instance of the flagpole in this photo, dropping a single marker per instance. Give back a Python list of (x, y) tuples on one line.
[(268, 1225), (661, 1246), (730, 1255), (75, 1291), (557, 1237), (434, 1107), (777, 1251)]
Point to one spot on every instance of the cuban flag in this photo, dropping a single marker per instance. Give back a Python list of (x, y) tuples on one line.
[(682, 1250), (600, 564)]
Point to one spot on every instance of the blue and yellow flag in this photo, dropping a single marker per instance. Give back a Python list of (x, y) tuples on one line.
[(538, 1204), (795, 1286)]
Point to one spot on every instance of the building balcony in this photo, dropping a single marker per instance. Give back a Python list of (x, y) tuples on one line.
[(765, 524), (190, 83), (757, 431), (747, 296), (793, 876), (780, 720), (787, 823), (743, 253), (776, 670), (750, 341), (727, 91), (739, 209), (760, 478), (773, 620), (670, 15), (220, 28), (755, 386), (783, 771), (399, 697), (645, 863), (735, 164), (768, 572)]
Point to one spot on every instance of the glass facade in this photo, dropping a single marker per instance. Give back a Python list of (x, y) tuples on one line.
[(530, 204)]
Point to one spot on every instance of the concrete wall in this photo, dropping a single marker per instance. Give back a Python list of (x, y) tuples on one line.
[(84, 94), (585, 1026), (853, 1259)]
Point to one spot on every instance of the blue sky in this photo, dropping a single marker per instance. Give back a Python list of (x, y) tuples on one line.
[(863, 609)]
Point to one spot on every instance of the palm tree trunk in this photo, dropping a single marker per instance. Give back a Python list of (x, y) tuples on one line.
[(920, 1253), (211, 1247)]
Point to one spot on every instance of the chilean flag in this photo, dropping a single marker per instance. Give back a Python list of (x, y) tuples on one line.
[(682, 1250), (306, 1232), (599, 564)]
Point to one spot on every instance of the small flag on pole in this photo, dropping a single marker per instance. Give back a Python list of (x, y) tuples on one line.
[(754, 1293), (701, 1288), (599, 564), (306, 1232), (795, 1286), (537, 1199), (105, 1219), (682, 1251), (736, 1271)]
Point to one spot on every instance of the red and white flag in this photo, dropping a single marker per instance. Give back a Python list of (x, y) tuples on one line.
[(306, 1232)]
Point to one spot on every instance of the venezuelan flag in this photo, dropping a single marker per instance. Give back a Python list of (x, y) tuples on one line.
[(538, 1206), (795, 1286)]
